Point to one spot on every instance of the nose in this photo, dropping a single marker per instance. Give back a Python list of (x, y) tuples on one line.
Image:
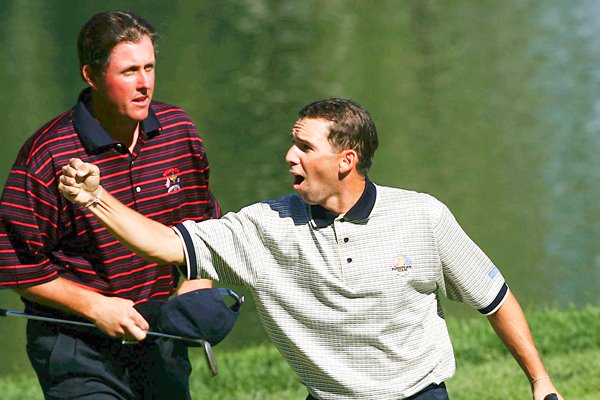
[(144, 79), (290, 156)]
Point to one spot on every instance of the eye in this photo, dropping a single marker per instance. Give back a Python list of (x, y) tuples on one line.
[(129, 71), (301, 145)]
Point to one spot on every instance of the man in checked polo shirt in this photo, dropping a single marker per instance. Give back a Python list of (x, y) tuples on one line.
[(346, 273)]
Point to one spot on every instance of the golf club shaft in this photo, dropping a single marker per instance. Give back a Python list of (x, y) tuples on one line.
[(210, 358), (88, 324)]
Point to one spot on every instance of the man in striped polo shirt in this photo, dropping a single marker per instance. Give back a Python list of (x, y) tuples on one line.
[(64, 263), (346, 274)]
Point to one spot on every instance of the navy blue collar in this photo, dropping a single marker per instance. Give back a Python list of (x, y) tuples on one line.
[(321, 217), (93, 136)]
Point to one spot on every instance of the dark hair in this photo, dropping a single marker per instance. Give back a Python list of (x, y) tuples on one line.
[(352, 127), (104, 31)]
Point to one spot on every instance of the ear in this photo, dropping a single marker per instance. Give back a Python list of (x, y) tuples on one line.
[(88, 75), (348, 161)]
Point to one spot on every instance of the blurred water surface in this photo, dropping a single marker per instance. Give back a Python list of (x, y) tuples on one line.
[(490, 106)]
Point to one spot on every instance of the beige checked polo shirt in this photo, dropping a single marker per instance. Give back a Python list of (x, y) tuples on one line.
[(351, 301)]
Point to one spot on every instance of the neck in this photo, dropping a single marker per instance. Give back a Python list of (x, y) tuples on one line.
[(126, 135), (350, 192), (121, 129)]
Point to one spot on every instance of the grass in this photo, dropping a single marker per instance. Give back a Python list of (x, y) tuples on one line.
[(568, 340)]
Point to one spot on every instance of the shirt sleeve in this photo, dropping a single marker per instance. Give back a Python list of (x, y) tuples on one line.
[(28, 230), (229, 249), (469, 276)]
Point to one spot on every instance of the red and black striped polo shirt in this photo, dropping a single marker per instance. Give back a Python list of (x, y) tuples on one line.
[(43, 236)]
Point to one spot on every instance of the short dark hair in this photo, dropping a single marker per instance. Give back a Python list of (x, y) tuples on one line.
[(104, 31), (352, 127)]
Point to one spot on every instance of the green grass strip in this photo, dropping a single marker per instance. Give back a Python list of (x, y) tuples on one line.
[(568, 340)]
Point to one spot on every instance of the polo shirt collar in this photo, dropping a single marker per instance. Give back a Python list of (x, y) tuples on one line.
[(93, 136), (321, 217)]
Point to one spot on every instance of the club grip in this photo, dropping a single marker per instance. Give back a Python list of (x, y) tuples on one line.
[(551, 396)]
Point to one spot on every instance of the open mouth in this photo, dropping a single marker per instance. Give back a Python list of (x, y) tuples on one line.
[(298, 180), (140, 100)]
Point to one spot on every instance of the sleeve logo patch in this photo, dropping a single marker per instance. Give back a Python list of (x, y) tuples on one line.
[(493, 272)]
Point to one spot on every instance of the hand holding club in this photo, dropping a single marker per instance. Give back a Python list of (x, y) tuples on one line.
[(117, 318)]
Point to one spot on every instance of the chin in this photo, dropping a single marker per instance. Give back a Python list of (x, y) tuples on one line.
[(302, 196), (308, 200), (139, 117)]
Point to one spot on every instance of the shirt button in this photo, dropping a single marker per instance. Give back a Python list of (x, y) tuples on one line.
[(346, 240), (120, 148), (138, 189), (349, 260)]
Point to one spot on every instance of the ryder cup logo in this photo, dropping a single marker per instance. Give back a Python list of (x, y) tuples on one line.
[(402, 264), (172, 183)]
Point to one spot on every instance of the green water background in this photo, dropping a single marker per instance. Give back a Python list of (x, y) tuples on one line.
[(491, 106)]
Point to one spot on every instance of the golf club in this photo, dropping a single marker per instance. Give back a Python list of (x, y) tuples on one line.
[(210, 357)]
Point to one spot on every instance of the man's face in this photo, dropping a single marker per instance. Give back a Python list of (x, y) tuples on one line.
[(125, 89), (313, 162)]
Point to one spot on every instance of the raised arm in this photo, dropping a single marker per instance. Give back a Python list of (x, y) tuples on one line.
[(511, 326), (80, 184)]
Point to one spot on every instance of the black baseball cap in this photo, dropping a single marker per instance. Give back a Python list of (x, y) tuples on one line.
[(203, 314)]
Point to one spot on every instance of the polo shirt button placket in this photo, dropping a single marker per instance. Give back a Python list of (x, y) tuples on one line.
[(348, 259)]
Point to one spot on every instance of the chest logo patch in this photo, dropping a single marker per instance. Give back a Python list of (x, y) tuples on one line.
[(402, 264), (172, 182)]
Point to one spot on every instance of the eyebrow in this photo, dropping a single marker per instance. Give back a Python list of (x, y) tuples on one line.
[(295, 136)]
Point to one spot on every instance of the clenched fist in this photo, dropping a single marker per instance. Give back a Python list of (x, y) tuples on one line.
[(80, 182)]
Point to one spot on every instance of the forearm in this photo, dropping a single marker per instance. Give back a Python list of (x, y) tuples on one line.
[(80, 184), (511, 326), (150, 239), (63, 295), (194, 284), (114, 316)]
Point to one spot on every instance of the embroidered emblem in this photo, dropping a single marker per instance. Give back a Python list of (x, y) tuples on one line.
[(172, 183), (402, 264)]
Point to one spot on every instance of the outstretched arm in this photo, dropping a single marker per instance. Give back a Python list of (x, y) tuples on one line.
[(80, 184), (511, 326)]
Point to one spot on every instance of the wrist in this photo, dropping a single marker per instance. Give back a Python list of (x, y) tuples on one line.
[(97, 197), (539, 378)]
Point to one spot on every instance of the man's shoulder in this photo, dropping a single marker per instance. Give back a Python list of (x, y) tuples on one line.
[(395, 192), (406, 198), (167, 111), (286, 206), (57, 125), (287, 200), (51, 136)]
